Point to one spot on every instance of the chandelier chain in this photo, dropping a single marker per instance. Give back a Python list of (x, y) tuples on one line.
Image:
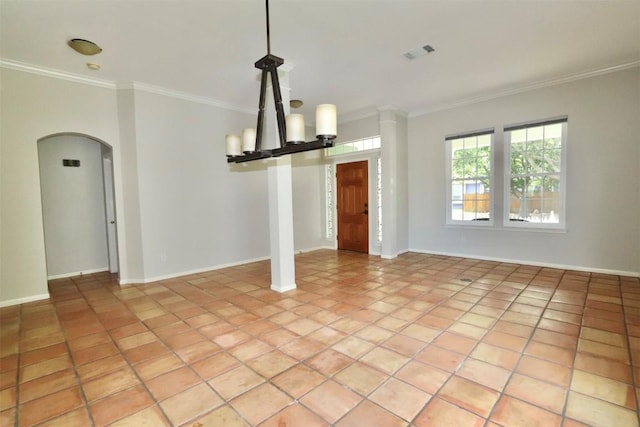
[(268, 32)]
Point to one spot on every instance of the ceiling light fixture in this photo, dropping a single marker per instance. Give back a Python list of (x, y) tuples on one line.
[(84, 47), (296, 103), (290, 129)]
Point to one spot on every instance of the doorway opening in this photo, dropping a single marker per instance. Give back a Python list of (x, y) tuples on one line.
[(78, 207)]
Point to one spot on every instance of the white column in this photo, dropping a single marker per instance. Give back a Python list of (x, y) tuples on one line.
[(283, 273), (388, 157)]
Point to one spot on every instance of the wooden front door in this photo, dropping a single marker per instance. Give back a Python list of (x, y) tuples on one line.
[(353, 208)]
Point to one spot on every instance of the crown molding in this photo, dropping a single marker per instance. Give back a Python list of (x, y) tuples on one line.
[(344, 118), (107, 84), (56, 74), (358, 115), (157, 90), (365, 113), (528, 88), (393, 109)]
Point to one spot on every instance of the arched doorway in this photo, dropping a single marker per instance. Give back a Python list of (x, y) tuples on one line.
[(76, 181)]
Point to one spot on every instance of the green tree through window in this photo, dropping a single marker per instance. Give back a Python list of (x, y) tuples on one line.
[(535, 172), (470, 177)]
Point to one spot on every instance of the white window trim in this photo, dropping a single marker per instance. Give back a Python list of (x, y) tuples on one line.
[(535, 226), (353, 153), (330, 219), (449, 222), (371, 156)]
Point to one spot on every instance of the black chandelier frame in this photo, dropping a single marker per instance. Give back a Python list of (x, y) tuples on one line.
[(269, 65)]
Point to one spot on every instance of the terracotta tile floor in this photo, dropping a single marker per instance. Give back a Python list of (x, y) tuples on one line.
[(417, 341)]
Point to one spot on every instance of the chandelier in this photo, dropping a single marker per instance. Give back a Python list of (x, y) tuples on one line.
[(291, 130)]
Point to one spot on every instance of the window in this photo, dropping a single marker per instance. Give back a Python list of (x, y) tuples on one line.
[(469, 176), (358, 145), (328, 177), (379, 196), (535, 183)]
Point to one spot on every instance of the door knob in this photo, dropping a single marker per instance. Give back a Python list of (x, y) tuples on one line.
[(112, 222), (366, 212)]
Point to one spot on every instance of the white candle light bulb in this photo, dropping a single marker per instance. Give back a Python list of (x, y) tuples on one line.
[(295, 128), (233, 145), (326, 121), (248, 140)]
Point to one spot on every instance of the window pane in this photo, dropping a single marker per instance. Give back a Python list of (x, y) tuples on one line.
[(518, 136), (552, 161), (379, 190), (484, 141), (553, 131), (329, 200), (518, 162), (470, 172), (535, 182), (551, 206), (540, 202), (456, 211), (517, 205), (535, 133), (353, 146)]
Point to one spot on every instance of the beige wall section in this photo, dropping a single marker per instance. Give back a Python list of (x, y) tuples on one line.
[(180, 207), (33, 107), (603, 176), (603, 165)]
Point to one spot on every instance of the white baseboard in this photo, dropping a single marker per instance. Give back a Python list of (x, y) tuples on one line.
[(283, 289), (130, 281), (77, 273), (302, 251), (533, 263), (23, 300), (397, 254)]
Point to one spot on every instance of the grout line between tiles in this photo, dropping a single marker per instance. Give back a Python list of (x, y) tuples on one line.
[(16, 416), (629, 352), (441, 271)]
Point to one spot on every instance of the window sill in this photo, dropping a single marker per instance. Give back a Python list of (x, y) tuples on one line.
[(535, 228), (472, 225)]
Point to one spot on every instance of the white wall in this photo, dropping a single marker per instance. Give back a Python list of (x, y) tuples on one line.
[(33, 107), (308, 200), (196, 212), (358, 129), (73, 206), (402, 176), (603, 170), (180, 206)]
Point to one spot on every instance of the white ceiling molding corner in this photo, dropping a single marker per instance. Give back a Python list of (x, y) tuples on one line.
[(527, 88)]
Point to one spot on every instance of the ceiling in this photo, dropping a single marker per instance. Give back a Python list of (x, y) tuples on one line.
[(346, 52)]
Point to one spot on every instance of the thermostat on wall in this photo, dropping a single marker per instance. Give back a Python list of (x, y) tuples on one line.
[(70, 162)]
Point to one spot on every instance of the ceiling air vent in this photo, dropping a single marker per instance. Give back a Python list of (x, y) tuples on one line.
[(418, 51)]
